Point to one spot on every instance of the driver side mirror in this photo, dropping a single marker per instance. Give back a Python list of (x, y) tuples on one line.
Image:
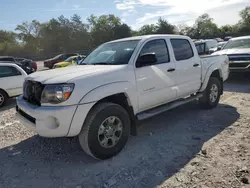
[(146, 60)]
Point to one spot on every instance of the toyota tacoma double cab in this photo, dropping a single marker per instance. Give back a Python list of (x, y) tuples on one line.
[(101, 100)]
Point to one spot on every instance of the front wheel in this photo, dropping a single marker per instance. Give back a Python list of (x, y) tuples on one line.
[(3, 98), (105, 131), (211, 95)]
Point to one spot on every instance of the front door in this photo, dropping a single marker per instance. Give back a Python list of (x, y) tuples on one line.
[(156, 82)]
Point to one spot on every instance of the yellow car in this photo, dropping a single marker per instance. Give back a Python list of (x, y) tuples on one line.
[(70, 61)]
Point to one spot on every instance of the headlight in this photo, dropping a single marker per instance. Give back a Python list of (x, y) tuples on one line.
[(57, 93)]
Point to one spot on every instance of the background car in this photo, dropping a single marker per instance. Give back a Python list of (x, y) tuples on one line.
[(73, 60), (27, 66), (27, 62), (238, 51), (218, 47), (11, 81), (203, 46), (227, 38), (59, 58)]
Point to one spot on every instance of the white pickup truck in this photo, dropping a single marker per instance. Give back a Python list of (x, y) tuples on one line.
[(119, 83)]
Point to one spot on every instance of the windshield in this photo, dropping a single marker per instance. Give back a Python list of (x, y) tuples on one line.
[(239, 43), (115, 53), (70, 59), (58, 56)]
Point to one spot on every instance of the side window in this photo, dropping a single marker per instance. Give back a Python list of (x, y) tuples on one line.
[(182, 49), (7, 71), (159, 48)]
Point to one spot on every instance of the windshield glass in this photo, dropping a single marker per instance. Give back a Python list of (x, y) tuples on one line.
[(70, 59), (58, 56), (115, 53), (240, 43)]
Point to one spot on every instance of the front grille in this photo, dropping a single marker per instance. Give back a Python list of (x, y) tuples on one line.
[(32, 92), (240, 65), (239, 57)]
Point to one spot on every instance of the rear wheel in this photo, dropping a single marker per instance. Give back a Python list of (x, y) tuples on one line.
[(3, 98), (211, 95), (105, 131)]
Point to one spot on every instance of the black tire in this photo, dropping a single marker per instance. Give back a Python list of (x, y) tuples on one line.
[(3, 98), (89, 135), (205, 101)]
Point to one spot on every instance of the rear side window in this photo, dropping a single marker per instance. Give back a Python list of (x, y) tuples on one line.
[(159, 48), (182, 49), (7, 71)]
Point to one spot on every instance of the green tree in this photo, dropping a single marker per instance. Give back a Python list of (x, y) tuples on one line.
[(7, 36), (163, 27), (147, 29), (244, 23), (204, 27), (106, 28)]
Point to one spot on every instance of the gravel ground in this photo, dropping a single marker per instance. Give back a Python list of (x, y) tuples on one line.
[(185, 147)]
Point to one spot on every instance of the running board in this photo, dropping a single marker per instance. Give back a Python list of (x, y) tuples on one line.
[(157, 110)]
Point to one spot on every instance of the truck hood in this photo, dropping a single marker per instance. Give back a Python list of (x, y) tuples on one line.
[(233, 51), (63, 75)]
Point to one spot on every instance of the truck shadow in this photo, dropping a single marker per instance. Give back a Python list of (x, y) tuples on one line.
[(165, 144), (239, 83)]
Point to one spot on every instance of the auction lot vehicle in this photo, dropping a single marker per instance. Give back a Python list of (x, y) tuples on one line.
[(204, 46), (28, 62), (238, 52), (101, 101), (73, 60), (27, 65), (11, 81), (59, 58)]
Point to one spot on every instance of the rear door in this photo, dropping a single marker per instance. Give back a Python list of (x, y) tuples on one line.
[(155, 83), (188, 67), (11, 80)]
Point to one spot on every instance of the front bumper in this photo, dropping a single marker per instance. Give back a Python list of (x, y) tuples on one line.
[(51, 121)]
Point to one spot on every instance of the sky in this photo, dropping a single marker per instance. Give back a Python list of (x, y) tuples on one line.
[(135, 13)]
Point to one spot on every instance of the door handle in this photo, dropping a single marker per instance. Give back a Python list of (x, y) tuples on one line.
[(196, 65), (171, 70)]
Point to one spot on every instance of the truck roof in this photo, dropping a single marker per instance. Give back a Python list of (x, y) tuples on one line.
[(238, 38), (143, 37)]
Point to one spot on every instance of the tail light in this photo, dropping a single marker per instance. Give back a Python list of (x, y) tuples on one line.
[(35, 65)]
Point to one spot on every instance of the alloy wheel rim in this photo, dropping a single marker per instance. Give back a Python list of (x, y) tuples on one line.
[(110, 131), (1, 98), (214, 93)]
